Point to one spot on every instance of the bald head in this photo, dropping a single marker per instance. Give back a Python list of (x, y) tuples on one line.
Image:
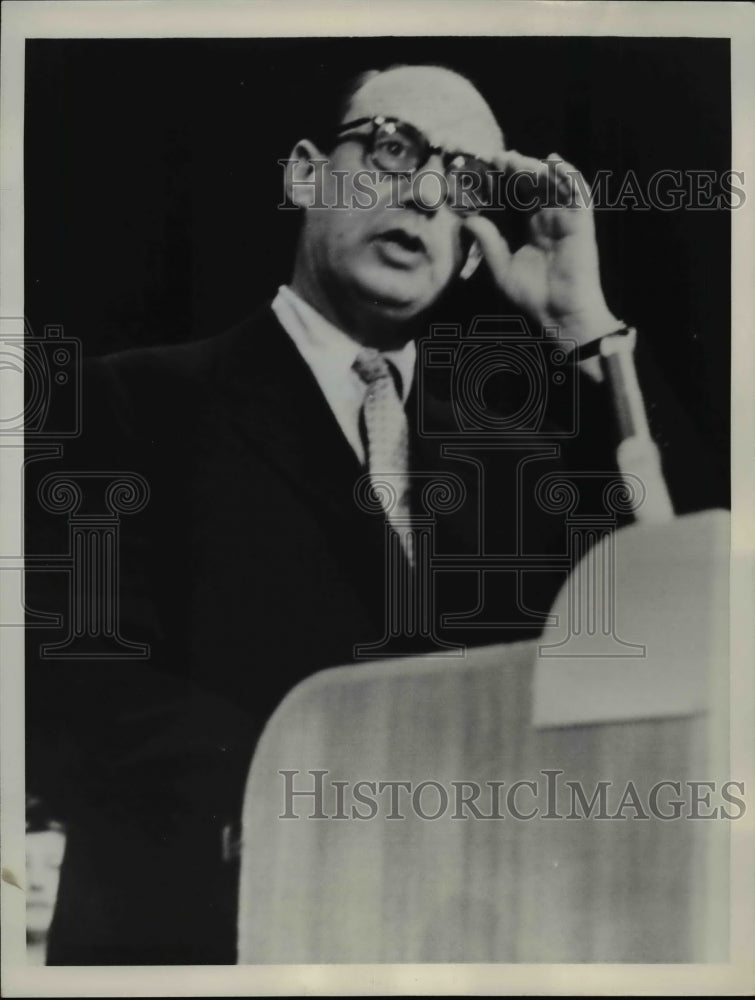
[(441, 103)]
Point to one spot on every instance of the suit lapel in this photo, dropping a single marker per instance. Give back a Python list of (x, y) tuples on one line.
[(274, 401)]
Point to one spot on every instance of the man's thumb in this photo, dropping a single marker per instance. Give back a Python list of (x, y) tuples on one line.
[(494, 247)]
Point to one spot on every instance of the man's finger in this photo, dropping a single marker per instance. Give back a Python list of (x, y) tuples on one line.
[(557, 182), (512, 161), (571, 186), (494, 247)]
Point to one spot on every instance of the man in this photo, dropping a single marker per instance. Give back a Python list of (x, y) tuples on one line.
[(255, 561)]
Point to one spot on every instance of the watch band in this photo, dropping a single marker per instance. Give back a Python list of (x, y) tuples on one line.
[(622, 339)]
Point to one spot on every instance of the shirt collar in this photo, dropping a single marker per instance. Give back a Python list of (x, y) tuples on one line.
[(325, 344)]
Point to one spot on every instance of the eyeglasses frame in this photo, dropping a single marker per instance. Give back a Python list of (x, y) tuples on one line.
[(377, 121)]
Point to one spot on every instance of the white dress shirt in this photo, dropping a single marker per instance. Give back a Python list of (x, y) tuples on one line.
[(330, 354)]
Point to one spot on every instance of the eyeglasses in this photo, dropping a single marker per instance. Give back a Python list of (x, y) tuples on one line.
[(396, 147)]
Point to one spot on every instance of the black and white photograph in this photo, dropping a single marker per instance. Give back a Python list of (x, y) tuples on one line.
[(376, 452)]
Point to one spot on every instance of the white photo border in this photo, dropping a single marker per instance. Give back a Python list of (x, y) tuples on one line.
[(22, 19)]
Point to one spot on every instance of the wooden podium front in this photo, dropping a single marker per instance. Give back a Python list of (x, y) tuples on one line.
[(579, 746)]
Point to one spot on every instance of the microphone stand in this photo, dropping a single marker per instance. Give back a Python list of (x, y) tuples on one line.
[(637, 454)]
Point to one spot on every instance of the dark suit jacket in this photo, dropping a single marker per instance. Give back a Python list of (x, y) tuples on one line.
[(250, 568)]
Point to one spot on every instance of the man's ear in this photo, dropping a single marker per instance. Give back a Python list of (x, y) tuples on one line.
[(304, 174), (474, 256)]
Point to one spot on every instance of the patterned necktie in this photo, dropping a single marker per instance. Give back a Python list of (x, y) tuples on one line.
[(387, 442)]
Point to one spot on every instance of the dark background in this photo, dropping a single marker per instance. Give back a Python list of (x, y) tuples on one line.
[(152, 184)]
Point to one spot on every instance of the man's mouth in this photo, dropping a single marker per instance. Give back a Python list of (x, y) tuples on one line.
[(400, 248)]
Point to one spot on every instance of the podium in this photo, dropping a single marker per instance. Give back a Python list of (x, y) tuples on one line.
[(533, 802)]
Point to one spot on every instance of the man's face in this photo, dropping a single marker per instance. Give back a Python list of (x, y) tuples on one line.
[(395, 258)]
